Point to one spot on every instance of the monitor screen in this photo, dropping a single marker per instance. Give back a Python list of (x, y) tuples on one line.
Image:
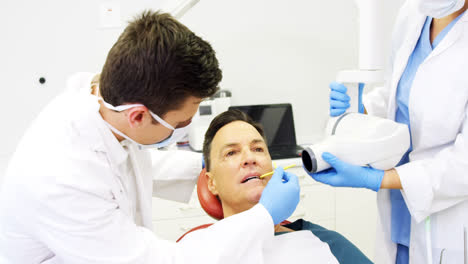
[(204, 110), (277, 121)]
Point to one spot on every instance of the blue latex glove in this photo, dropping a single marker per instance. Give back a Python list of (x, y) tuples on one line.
[(202, 162), (343, 174), (281, 195), (339, 99)]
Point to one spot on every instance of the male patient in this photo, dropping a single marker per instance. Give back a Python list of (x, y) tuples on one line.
[(235, 156)]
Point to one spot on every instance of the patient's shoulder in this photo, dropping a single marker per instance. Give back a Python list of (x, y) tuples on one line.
[(343, 249)]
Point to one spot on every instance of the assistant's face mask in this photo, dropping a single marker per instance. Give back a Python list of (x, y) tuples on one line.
[(438, 8), (177, 133)]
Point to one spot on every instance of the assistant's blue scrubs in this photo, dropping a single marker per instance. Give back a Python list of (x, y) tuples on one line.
[(401, 218)]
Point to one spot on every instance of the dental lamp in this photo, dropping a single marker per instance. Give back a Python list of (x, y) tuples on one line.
[(180, 10), (357, 138)]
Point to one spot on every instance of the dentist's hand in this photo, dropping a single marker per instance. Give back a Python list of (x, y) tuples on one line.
[(339, 99), (279, 197), (343, 174)]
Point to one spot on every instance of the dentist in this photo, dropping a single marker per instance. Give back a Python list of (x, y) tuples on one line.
[(78, 189)]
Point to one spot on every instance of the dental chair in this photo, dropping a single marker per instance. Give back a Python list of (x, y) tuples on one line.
[(209, 203)]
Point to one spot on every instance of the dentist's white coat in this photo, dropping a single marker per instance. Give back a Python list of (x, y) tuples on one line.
[(435, 181), (74, 195)]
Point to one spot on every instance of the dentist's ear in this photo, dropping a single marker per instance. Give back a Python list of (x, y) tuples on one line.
[(138, 116), (211, 183)]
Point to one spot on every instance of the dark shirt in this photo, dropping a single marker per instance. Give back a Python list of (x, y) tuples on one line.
[(343, 250)]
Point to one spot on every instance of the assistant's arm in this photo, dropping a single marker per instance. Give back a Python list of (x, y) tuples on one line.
[(391, 180)]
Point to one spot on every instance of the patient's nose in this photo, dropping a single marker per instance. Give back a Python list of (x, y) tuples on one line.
[(248, 158)]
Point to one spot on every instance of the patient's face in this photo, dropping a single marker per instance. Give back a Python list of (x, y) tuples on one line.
[(239, 155)]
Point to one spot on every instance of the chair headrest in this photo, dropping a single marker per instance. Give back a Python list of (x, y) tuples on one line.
[(208, 201)]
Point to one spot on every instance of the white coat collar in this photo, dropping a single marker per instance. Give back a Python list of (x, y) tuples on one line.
[(453, 35), (91, 128)]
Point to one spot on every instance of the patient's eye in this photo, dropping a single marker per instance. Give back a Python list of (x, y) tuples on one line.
[(230, 153), (259, 149)]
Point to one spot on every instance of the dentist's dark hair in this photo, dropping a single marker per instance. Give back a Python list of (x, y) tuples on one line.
[(219, 122), (158, 62)]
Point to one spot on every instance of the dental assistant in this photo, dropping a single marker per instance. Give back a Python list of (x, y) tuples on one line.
[(423, 202), (79, 186)]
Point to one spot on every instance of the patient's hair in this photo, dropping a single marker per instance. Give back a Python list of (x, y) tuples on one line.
[(220, 121), (159, 62)]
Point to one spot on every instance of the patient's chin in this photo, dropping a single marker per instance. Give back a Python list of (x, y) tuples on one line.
[(254, 194)]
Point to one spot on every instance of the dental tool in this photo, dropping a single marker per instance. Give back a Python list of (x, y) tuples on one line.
[(271, 172)]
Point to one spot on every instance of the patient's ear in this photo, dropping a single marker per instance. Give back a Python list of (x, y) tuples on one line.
[(211, 183)]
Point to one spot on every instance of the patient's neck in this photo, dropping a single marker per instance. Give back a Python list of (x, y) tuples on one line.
[(229, 209)]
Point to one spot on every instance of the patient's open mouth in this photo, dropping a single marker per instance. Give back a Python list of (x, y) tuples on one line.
[(250, 178)]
